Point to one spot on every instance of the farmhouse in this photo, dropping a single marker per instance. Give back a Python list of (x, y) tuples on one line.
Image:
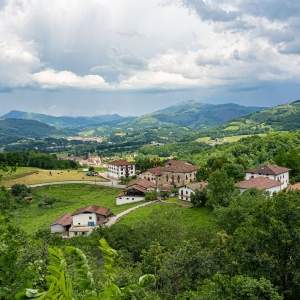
[(260, 183), (175, 172), (120, 168), (273, 172), (185, 192), (81, 222), (135, 191)]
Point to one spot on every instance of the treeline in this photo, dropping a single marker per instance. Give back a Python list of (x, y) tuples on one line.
[(35, 159)]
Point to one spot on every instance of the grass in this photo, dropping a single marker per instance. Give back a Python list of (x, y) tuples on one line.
[(35, 176), (69, 197), (226, 139), (188, 217)]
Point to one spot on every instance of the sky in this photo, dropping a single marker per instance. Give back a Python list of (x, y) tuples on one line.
[(92, 57)]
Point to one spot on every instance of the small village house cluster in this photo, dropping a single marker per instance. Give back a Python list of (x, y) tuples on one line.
[(81, 222)]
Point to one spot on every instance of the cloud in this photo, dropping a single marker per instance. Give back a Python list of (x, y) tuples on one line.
[(107, 46), (65, 79)]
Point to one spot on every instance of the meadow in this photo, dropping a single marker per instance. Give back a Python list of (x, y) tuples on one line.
[(31, 217), (30, 176)]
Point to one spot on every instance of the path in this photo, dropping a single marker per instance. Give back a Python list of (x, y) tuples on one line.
[(111, 184), (113, 220)]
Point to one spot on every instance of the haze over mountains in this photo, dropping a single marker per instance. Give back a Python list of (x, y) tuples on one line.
[(205, 119), (188, 114)]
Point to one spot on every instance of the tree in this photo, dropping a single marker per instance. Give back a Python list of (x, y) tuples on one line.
[(20, 190), (236, 288), (199, 198), (220, 189), (151, 196)]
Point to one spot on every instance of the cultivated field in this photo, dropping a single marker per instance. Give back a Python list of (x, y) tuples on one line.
[(35, 176), (68, 197)]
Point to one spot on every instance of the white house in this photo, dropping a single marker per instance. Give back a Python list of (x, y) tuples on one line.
[(135, 192), (185, 192), (81, 222), (273, 172), (260, 183), (120, 168)]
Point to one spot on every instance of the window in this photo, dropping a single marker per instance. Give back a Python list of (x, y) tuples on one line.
[(90, 217)]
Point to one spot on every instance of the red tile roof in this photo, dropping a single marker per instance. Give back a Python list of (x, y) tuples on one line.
[(179, 166), (268, 170), (120, 162), (142, 183), (197, 185), (106, 212), (260, 183), (157, 171), (64, 220)]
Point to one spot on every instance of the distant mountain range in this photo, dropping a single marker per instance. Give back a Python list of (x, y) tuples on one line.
[(66, 121), (188, 114)]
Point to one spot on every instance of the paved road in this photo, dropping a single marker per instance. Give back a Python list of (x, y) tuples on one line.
[(113, 220), (102, 183)]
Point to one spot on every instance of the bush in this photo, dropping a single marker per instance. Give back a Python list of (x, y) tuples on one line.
[(151, 196), (199, 198), (47, 202), (20, 190)]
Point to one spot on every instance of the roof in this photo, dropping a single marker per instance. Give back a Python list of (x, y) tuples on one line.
[(268, 170), (179, 166), (142, 183), (64, 220), (260, 183), (93, 209), (80, 229), (157, 171), (197, 185), (295, 187), (120, 162)]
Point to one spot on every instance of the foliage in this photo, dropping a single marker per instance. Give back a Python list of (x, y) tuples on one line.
[(220, 189), (20, 190), (47, 202), (151, 196), (199, 198), (236, 288)]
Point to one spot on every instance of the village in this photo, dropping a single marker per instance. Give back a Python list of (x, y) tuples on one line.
[(176, 178)]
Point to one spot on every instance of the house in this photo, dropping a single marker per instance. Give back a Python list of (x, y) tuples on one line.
[(81, 222), (260, 183), (120, 168), (62, 225), (175, 172), (186, 191), (135, 192), (273, 172)]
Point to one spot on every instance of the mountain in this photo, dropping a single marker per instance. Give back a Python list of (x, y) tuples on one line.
[(197, 115), (12, 130), (66, 121), (281, 117)]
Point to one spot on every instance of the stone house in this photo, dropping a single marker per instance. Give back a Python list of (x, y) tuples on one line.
[(185, 192), (120, 168)]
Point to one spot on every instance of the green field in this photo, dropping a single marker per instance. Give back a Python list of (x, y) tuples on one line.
[(69, 197), (189, 217)]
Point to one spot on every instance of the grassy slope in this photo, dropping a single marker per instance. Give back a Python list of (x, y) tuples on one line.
[(70, 197), (35, 176), (190, 217)]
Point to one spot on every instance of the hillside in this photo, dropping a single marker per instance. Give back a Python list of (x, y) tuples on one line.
[(280, 118), (66, 121), (200, 115), (12, 130)]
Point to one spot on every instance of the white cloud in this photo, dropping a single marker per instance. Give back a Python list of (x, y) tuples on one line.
[(65, 79), (175, 44)]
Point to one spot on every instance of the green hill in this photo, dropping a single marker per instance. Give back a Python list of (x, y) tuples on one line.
[(66, 121), (12, 130), (280, 118)]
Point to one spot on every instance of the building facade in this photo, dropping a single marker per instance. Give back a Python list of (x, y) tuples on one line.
[(273, 172), (120, 168), (185, 192), (175, 172)]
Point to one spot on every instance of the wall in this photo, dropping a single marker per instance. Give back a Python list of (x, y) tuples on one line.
[(283, 178), (57, 228), (84, 218), (128, 199), (185, 193)]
